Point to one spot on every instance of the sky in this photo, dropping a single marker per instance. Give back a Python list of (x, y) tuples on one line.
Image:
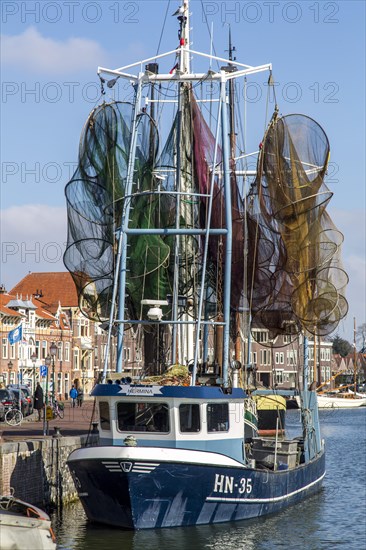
[(49, 57)]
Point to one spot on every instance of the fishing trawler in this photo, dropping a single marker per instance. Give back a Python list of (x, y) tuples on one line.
[(173, 238)]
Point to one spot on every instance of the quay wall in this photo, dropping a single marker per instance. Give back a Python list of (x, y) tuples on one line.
[(36, 470)]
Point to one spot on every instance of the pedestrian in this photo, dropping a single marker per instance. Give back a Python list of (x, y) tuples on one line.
[(73, 395), (38, 400), (80, 396)]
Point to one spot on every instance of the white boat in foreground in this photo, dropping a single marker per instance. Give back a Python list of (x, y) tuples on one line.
[(24, 526)]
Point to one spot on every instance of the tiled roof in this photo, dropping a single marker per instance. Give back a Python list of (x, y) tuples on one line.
[(51, 288)]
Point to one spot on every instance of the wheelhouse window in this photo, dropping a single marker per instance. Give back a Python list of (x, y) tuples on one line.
[(189, 417), (143, 417), (217, 417), (104, 416)]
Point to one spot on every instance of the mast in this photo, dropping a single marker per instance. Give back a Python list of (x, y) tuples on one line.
[(184, 352), (354, 358), (228, 223), (231, 102), (186, 233), (232, 162)]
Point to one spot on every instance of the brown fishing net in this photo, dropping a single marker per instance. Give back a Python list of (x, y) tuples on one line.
[(296, 279)]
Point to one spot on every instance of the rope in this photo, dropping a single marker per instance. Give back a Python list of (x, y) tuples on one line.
[(163, 27)]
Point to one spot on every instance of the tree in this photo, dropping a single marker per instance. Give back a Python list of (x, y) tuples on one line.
[(341, 347), (361, 337)]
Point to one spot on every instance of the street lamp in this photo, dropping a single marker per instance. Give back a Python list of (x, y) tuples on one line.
[(10, 367), (34, 359), (47, 362), (53, 351)]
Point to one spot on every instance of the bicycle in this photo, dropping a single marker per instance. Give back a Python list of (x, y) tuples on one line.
[(13, 417), (58, 409)]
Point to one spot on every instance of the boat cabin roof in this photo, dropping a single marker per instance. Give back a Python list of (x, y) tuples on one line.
[(184, 392)]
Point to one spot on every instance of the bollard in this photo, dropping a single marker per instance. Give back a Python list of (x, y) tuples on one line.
[(57, 432)]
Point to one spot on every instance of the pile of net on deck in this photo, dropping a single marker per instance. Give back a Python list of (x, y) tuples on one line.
[(296, 279)]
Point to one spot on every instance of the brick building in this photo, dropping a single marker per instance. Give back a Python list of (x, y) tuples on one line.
[(46, 305), (281, 364)]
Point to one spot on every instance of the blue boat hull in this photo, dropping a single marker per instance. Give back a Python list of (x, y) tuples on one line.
[(140, 494)]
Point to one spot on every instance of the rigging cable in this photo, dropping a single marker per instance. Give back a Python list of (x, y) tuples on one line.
[(163, 28)]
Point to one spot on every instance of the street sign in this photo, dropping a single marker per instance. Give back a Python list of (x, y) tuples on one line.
[(43, 370)]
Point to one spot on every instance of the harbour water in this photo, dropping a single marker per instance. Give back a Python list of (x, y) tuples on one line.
[(333, 519)]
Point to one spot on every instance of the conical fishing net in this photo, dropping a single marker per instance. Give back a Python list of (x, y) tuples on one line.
[(296, 279)]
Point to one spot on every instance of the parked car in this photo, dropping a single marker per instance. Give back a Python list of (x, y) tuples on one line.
[(2, 412), (27, 392), (8, 399), (24, 405)]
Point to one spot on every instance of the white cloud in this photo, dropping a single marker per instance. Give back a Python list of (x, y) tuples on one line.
[(31, 51)]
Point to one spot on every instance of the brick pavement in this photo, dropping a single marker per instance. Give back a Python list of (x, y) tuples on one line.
[(76, 421)]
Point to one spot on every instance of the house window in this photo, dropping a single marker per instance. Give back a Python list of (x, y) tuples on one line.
[(189, 417), (265, 357), (327, 354), (84, 327), (59, 383), (291, 357), (217, 417), (277, 358), (76, 359), (5, 348), (67, 351), (286, 339), (279, 376), (282, 358), (44, 350), (12, 351), (67, 384), (261, 336), (322, 373), (37, 349), (59, 351)]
